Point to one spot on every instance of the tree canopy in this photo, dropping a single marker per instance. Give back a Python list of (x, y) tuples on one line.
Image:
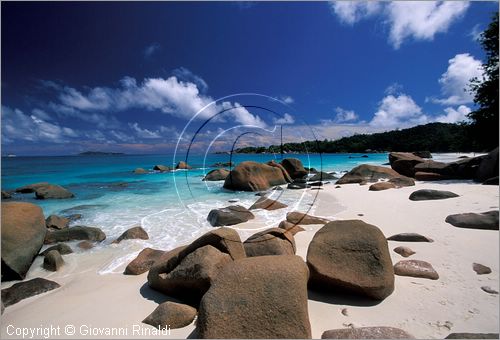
[(484, 119)]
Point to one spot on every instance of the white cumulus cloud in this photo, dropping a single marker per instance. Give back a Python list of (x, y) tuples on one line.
[(419, 20), (454, 115), (343, 115), (350, 12), (286, 119), (16, 125), (398, 112), (454, 82)]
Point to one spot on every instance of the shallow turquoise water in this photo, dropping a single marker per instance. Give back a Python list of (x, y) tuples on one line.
[(172, 206)]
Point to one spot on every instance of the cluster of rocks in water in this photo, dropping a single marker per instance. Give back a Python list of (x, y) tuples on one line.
[(24, 232)]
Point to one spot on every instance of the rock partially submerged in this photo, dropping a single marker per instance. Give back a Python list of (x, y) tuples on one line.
[(140, 171), (57, 222), (52, 191), (253, 176), (487, 220), (430, 194), (267, 204), (22, 290), (216, 175), (415, 268), (366, 333), (144, 261), (75, 233), (231, 215), (30, 188), (274, 241), (53, 261), (294, 167), (6, 195), (136, 232), (162, 168), (183, 165), (257, 297), (296, 217), (23, 231), (351, 255), (172, 315), (62, 248)]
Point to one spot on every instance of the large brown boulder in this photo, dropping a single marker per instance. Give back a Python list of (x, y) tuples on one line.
[(136, 232), (428, 176), (486, 220), (433, 167), (22, 290), (430, 194), (231, 215), (367, 173), (290, 227), (488, 168), (23, 232), (267, 204), (296, 217), (274, 241), (257, 297), (226, 240), (216, 175), (294, 167), (351, 255), (52, 191), (62, 248), (283, 170), (366, 333), (253, 176), (75, 233), (404, 162), (144, 261), (194, 274), (172, 315)]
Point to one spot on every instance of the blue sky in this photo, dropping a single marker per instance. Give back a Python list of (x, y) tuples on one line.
[(135, 77)]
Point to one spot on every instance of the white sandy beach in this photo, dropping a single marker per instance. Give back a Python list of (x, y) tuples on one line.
[(422, 307)]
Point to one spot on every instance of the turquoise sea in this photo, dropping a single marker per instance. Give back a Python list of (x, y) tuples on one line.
[(171, 206)]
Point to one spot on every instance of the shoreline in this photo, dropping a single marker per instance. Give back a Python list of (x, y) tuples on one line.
[(423, 308)]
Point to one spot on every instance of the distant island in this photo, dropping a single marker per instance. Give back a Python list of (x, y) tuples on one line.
[(99, 153), (433, 137)]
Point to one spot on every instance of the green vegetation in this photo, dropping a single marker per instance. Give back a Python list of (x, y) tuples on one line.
[(433, 137), (484, 126)]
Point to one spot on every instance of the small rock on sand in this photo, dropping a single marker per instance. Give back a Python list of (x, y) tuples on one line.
[(409, 237), (415, 268), (481, 269), (404, 251), (489, 290), (172, 315)]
